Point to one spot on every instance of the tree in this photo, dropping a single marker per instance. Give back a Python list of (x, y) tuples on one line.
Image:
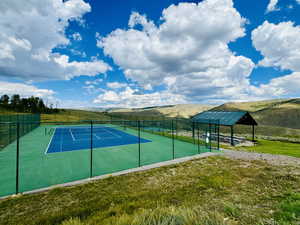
[(4, 100), (24, 105), (41, 106), (28, 105), (33, 104), (15, 102)]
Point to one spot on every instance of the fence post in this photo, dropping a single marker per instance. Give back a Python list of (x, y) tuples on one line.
[(218, 130), (210, 136), (17, 160), (139, 133), (193, 131), (91, 151), (173, 150), (176, 127), (232, 142), (9, 132), (198, 140)]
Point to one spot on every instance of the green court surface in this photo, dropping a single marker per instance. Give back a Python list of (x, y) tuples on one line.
[(38, 169)]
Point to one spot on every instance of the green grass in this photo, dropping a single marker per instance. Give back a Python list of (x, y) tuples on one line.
[(273, 147), (210, 191), (69, 115), (8, 112), (264, 131), (289, 208)]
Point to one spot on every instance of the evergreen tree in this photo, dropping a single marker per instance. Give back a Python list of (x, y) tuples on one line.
[(27, 105), (4, 100)]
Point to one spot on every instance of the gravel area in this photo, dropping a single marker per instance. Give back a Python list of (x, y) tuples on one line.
[(269, 158)]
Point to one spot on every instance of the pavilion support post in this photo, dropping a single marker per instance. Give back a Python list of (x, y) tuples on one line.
[(218, 130), (193, 131), (253, 132), (232, 142)]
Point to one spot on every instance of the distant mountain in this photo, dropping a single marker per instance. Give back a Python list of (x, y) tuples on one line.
[(97, 109), (278, 112), (181, 110)]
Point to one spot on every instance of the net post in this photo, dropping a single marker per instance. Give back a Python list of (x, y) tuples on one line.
[(173, 149), (139, 134), (17, 158), (91, 151)]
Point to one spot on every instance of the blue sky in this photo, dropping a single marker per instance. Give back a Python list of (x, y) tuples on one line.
[(134, 53)]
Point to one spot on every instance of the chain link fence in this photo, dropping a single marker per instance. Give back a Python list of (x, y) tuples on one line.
[(35, 155)]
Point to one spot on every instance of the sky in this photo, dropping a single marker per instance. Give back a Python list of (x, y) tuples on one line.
[(133, 53)]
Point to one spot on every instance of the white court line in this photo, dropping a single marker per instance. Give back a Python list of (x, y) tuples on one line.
[(112, 133), (97, 136), (103, 138), (72, 134), (61, 142), (50, 141)]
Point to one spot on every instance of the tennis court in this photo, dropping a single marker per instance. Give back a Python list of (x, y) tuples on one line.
[(53, 154), (79, 138)]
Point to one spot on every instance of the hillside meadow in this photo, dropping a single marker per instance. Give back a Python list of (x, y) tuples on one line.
[(209, 191)]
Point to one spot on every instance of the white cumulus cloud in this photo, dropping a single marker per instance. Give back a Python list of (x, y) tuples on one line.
[(24, 90), (116, 85), (279, 44), (31, 30), (76, 36), (131, 99), (272, 6), (188, 52)]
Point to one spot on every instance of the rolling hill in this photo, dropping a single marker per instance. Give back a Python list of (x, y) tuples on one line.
[(180, 111), (278, 117), (278, 112), (281, 113)]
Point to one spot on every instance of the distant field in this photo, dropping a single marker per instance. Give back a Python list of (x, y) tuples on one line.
[(7, 112), (69, 115), (65, 115)]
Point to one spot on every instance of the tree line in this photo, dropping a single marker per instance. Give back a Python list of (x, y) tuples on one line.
[(26, 105)]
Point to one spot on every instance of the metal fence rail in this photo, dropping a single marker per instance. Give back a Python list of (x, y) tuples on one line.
[(8, 126), (45, 154)]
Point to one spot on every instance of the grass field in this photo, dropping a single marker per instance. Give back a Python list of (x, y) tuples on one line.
[(273, 147), (65, 115), (68, 115), (211, 191)]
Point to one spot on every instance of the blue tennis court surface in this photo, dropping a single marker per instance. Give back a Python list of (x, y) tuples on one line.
[(78, 138)]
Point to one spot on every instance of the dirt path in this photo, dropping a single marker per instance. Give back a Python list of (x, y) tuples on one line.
[(272, 159)]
